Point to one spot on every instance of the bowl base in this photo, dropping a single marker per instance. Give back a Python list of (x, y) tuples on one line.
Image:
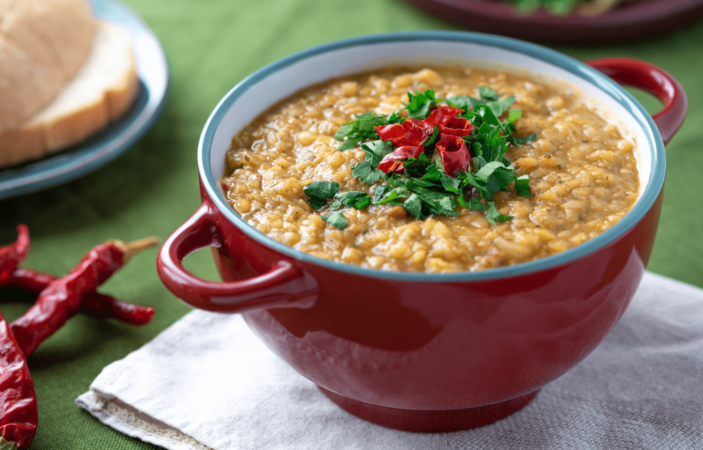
[(430, 421)]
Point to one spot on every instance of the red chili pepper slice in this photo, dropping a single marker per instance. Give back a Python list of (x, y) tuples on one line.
[(442, 115), (455, 155), (457, 127), (445, 118), (411, 132), (418, 129), (393, 162), (12, 255), (390, 132), (62, 298), (18, 401)]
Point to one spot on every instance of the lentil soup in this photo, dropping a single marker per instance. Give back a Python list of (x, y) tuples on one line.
[(582, 175)]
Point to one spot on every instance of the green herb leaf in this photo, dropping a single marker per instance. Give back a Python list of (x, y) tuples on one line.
[(316, 203), (493, 216), (513, 115), (345, 130), (376, 151), (321, 190), (493, 177), (459, 101), (476, 205), (379, 192), (433, 174), (520, 141), (522, 186), (500, 106), (447, 205), (389, 197), (413, 205), (430, 141), (366, 172), (487, 114), (353, 199), (487, 94), (348, 144), (419, 104), (337, 219), (451, 184), (437, 162), (487, 171)]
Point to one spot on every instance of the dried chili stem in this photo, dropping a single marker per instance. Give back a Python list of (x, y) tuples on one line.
[(129, 249)]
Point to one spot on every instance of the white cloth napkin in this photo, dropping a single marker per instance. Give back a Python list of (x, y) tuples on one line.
[(208, 383)]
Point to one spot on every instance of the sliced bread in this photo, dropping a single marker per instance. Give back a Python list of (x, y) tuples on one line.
[(103, 90), (43, 44)]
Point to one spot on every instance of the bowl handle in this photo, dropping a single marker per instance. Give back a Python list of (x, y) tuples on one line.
[(652, 79), (284, 285)]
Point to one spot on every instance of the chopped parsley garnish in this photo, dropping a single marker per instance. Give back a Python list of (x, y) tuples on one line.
[(522, 186), (337, 219), (351, 199), (367, 171), (493, 216), (419, 104), (460, 161), (319, 192)]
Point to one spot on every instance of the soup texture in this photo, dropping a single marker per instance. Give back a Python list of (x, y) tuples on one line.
[(582, 175)]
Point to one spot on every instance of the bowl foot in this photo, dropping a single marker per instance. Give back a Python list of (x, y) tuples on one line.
[(430, 420)]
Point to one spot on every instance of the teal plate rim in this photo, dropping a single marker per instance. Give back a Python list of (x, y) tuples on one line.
[(567, 63), (118, 137)]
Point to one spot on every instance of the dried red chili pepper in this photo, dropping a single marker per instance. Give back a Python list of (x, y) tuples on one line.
[(445, 118), (442, 115), (393, 162), (93, 304), (411, 132), (18, 401), (390, 132), (457, 127), (62, 298), (12, 255), (455, 155)]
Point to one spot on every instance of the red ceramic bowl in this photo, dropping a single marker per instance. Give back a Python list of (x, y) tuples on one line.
[(416, 351)]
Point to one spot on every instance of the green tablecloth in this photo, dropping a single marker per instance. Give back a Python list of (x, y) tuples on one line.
[(211, 45)]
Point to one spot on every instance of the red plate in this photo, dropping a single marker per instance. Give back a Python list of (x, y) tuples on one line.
[(640, 19)]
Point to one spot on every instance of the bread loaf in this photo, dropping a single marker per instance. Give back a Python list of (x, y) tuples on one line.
[(102, 91), (43, 44)]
